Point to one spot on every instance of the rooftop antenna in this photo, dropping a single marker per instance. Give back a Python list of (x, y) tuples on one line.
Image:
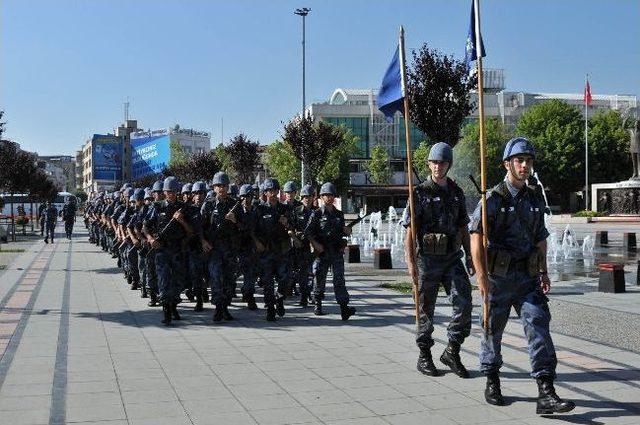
[(126, 110)]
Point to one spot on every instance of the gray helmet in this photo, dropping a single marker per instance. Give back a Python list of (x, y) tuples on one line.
[(148, 194), (270, 184), (307, 190), (138, 194), (233, 190), (290, 186), (115, 195), (255, 187), (186, 188), (171, 184), (441, 152), (210, 194), (518, 146), (127, 192), (245, 190), (199, 186), (220, 178), (157, 186), (132, 198), (328, 189), (126, 186)]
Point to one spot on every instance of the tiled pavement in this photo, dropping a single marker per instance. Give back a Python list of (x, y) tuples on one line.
[(78, 346)]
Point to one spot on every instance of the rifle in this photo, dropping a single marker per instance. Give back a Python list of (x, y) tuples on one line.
[(165, 229)]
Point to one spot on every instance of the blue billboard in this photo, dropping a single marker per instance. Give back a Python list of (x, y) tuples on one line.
[(106, 157), (150, 154)]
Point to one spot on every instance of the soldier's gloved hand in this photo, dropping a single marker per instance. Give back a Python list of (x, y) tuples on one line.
[(178, 215), (545, 283), (206, 246), (231, 217), (470, 268), (155, 243)]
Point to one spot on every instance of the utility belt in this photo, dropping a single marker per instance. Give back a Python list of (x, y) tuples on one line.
[(500, 261), (438, 244)]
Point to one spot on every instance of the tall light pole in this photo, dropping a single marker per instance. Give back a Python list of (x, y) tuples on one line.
[(303, 12)]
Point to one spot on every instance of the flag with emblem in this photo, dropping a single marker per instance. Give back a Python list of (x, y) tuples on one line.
[(471, 47)]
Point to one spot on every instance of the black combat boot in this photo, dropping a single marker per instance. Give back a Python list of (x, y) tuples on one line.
[(493, 393), (166, 310), (451, 358), (189, 293), (217, 313), (280, 306), (251, 302), (225, 313), (199, 300), (271, 313), (317, 310), (174, 311), (153, 302), (346, 311), (548, 400), (303, 301), (144, 293), (135, 285), (425, 363), (205, 295)]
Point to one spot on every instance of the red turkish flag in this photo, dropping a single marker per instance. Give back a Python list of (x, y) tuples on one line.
[(587, 94)]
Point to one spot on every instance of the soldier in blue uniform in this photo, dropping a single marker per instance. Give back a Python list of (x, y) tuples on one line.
[(194, 253), (302, 258), (441, 231), (68, 214), (218, 232), (166, 226), (272, 244), (138, 240), (246, 221), (325, 231), (516, 276), (152, 276), (50, 216)]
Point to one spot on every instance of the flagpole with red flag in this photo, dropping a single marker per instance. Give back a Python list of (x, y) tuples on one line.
[(587, 102)]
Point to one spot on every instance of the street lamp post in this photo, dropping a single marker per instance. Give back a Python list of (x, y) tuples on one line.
[(303, 12)]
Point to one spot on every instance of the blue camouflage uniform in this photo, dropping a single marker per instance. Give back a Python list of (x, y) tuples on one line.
[(516, 226), (301, 258), (326, 226), (168, 258), (441, 210), (50, 217), (193, 251), (246, 253), (218, 231), (69, 217)]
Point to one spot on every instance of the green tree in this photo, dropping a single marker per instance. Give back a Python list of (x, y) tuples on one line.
[(420, 163), (439, 90), (224, 159), (312, 141), (466, 154), (281, 162), (201, 166), (336, 166), (609, 159), (378, 166), (557, 132), (177, 154)]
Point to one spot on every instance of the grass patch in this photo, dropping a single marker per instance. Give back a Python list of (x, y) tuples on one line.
[(11, 250), (403, 287)]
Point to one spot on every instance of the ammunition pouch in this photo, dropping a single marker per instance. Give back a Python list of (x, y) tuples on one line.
[(435, 244), (499, 261)]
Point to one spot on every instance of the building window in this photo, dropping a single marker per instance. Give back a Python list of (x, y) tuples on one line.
[(359, 127)]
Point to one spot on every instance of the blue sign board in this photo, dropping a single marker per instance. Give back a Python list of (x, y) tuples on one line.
[(149, 155), (107, 157)]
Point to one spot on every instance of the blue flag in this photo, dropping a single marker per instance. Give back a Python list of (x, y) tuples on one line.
[(471, 51), (391, 94)]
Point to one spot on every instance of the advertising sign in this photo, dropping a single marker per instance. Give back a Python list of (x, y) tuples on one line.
[(107, 157), (149, 155)]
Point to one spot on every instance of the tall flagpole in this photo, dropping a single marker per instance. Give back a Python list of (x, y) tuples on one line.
[(586, 145), (407, 123), (483, 155)]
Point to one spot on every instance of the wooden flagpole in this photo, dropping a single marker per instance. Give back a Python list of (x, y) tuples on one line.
[(407, 123), (483, 156)]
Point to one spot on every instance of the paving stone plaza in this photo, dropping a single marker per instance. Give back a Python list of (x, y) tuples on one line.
[(78, 346)]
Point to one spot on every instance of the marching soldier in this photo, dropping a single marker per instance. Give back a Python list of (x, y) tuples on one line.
[(325, 231), (516, 276), (247, 254), (165, 227), (68, 214), (152, 275), (195, 257), (272, 244), (441, 229), (217, 242), (302, 258)]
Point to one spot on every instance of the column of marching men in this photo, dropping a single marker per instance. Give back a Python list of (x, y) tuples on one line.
[(200, 240)]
